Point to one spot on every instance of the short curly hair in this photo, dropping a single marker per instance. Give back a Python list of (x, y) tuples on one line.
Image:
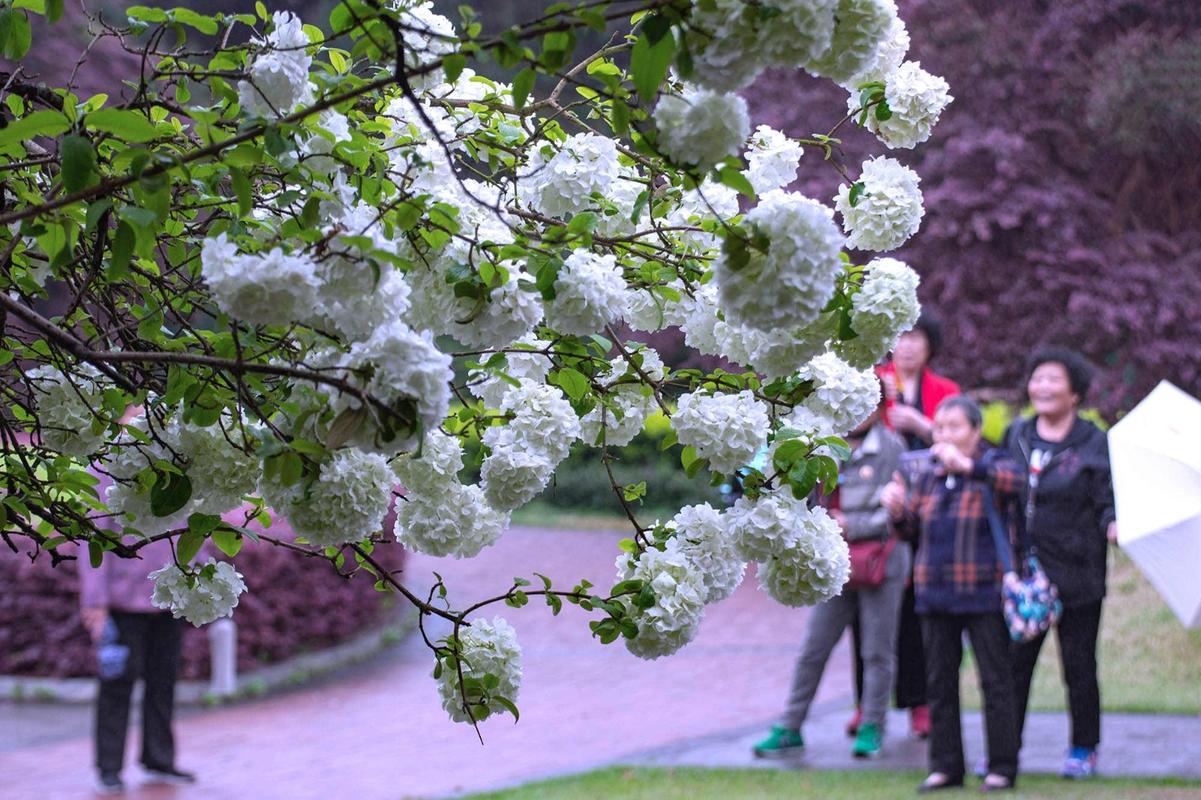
[(1080, 371)]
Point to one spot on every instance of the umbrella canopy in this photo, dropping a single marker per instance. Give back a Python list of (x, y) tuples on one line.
[(1155, 453)]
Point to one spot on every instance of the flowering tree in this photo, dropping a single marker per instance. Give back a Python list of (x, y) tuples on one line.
[(294, 269)]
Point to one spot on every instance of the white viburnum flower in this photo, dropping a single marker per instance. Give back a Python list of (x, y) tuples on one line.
[(279, 73), (455, 521), (272, 288), (764, 527), (860, 28), (784, 275), (782, 353), (69, 408), (590, 293), (813, 567), (214, 594), (726, 429), (436, 466), (510, 312), (916, 99), (512, 474), (700, 128), (772, 159), (427, 37), (889, 55), (346, 503), (632, 401), (706, 540), (219, 465), (485, 648), (543, 420), (652, 311), (799, 33), (563, 181), (679, 605), (889, 209), (842, 396), (884, 307), (520, 364)]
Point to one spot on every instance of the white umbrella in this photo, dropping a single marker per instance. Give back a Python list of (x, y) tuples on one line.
[(1155, 452)]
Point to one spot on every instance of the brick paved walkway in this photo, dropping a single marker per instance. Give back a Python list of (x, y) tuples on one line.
[(381, 733)]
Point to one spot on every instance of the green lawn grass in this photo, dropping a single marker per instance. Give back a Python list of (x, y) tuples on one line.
[(539, 514), (1148, 662), (752, 784)]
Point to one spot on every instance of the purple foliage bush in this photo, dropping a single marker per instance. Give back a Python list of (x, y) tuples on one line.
[(292, 605), (1061, 185)]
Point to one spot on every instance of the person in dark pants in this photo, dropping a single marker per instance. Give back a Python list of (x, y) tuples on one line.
[(957, 579), (1069, 508), (912, 392), (136, 641)]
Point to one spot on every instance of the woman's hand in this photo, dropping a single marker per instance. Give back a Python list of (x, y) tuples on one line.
[(94, 620), (892, 496), (953, 461), (1111, 532), (907, 419)]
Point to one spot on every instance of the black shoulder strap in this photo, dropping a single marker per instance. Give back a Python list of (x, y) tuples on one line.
[(999, 533)]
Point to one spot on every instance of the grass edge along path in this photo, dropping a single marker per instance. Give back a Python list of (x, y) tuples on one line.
[(694, 783)]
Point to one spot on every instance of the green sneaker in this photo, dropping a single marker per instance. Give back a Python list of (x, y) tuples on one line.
[(780, 742), (867, 741)]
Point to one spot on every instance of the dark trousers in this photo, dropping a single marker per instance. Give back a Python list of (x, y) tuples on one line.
[(910, 680), (943, 635), (1077, 631), (153, 641)]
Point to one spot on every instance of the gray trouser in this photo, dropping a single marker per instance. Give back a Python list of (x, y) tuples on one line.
[(878, 610)]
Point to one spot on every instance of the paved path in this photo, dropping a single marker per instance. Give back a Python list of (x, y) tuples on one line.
[(381, 732)]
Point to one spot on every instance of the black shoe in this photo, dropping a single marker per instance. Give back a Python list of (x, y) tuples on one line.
[(169, 775), (109, 783), (937, 781)]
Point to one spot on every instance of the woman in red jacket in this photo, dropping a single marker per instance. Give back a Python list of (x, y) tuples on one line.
[(912, 392)]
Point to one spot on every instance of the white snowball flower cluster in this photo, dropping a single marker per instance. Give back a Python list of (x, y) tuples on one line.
[(563, 181), (486, 647), (680, 591), (887, 212), (590, 293), (436, 466), (813, 567), (272, 288), (730, 44), (861, 28), (219, 467), (634, 402), (694, 206), (427, 37), (700, 321), (69, 408), (405, 364), (889, 55), (781, 353), (916, 99), (726, 429), (126, 497), (700, 127), (792, 281), (525, 452), (214, 594), (510, 312), (842, 397), (772, 159), (519, 365), (765, 527), (707, 542), (453, 521), (884, 307), (651, 311), (346, 503), (279, 73)]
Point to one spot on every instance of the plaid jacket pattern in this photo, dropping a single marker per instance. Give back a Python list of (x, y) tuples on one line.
[(956, 570)]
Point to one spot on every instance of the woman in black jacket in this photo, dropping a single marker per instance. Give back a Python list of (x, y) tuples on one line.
[(1070, 518)]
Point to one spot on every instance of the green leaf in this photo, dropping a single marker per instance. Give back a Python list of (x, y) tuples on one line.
[(241, 186), (78, 162), (15, 35), (54, 10), (507, 704), (95, 554), (206, 25), (453, 66), (129, 126), (188, 545), (573, 382), (736, 180), (582, 223), (170, 493), (229, 542), (857, 189), (523, 84), (39, 123), (122, 250), (649, 62)]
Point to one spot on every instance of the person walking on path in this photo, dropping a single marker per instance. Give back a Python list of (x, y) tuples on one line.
[(958, 586), (135, 641), (912, 392), (1069, 509), (855, 505)]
